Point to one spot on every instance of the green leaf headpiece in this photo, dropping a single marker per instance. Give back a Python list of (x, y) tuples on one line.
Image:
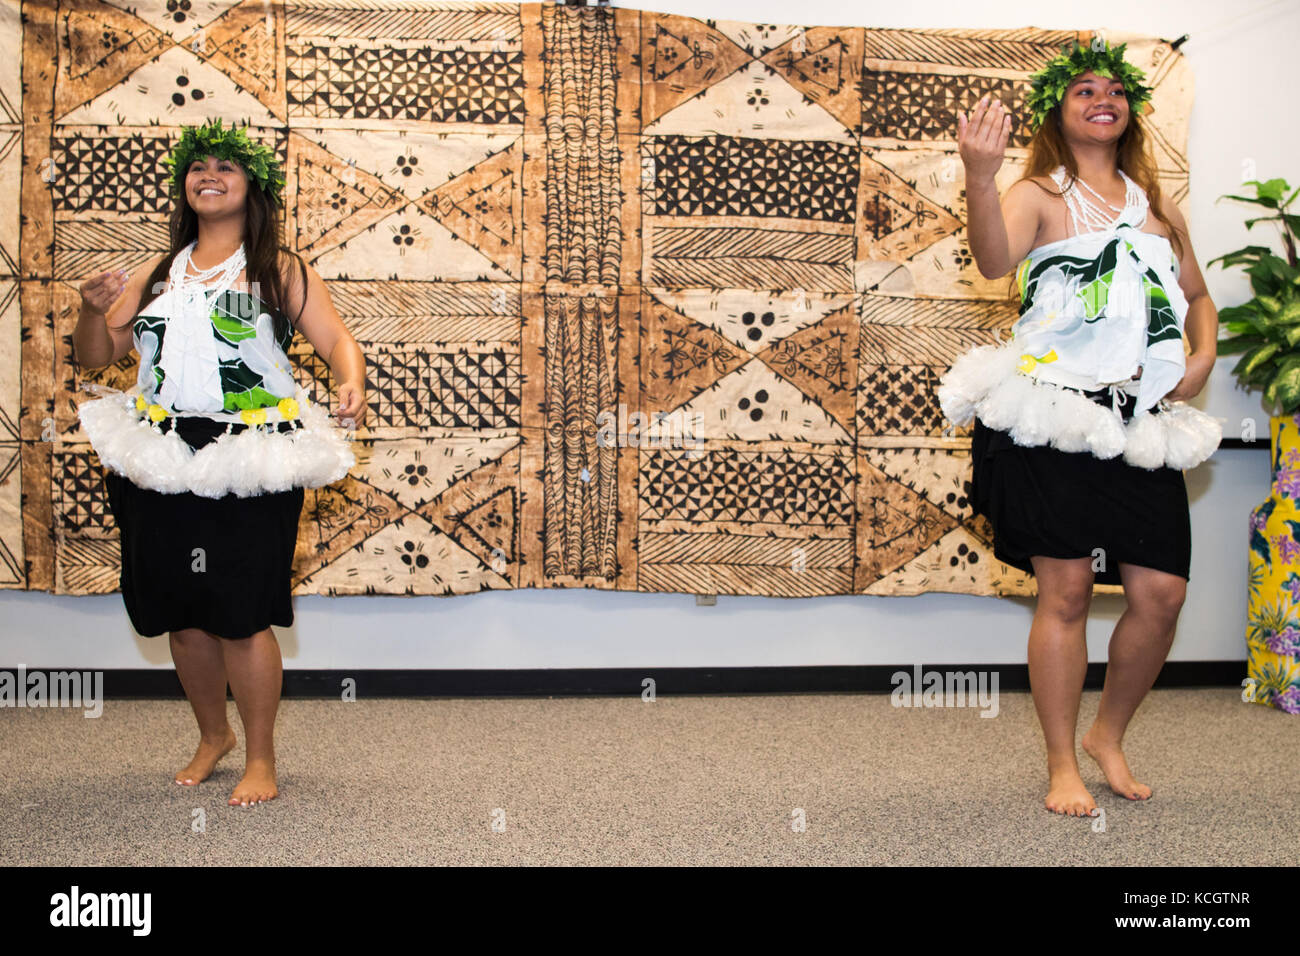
[(210, 139), (1049, 83)]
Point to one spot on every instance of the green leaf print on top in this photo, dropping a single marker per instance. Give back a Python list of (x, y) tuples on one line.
[(252, 347), (1162, 322), (1061, 293)]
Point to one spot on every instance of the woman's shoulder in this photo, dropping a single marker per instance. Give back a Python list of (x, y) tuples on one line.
[(1035, 188), (295, 273), (1169, 209)]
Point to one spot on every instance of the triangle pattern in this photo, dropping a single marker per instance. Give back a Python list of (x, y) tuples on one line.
[(242, 44), (480, 512), (753, 102), (751, 320), (406, 161), (957, 561), (333, 201), (825, 64), (416, 471), (896, 222), (10, 573), (409, 556), (483, 206), (9, 110), (337, 519), (182, 21), (103, 46), (9, 139), (1171, 166), (758, 38), (821, 361), (942, 477), (408, 244), (682, 56), (680, 358), (163, 92), (895, 524), (752, 404)]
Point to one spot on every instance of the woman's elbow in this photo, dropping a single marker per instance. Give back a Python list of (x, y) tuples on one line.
[(91, 362)]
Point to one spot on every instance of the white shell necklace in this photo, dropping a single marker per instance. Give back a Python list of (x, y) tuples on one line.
[(194, 286), (1088, 216)]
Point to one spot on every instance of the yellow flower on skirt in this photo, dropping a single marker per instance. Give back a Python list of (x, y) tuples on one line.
[(253, 416)]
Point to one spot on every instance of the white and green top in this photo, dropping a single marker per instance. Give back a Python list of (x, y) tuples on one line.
[(1100, 311), (209, 351), (1102, 307)]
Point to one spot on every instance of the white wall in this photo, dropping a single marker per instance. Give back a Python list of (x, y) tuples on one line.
[(1241, 58)]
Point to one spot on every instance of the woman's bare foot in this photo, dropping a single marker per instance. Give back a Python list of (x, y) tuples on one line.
[(1067, 794), (205, 759), (1110, 758), (258, 784)]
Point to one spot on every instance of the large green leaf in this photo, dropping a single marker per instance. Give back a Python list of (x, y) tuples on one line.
[(1283, 271), (1244, 254), (1270, 203), (1239, 344), (1258, 357), (1289, 315), (1270, 304), (1261, 377), (1287, 388), (1250, 223), (1274, 189), (1247, 313)]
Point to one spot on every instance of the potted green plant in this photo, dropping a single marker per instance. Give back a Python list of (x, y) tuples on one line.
[(1265, 332)]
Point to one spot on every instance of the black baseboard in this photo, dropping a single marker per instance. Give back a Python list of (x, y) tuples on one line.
[(1237, 444), (620, 681)]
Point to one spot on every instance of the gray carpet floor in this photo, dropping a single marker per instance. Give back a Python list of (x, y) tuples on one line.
[(678, 781)]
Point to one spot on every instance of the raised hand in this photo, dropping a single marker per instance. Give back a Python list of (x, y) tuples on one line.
[(982, 139), (101, 291)]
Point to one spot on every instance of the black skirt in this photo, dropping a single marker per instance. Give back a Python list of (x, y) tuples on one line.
[(1042, 501), (223, 565)]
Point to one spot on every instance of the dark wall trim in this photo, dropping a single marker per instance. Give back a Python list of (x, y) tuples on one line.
[(618, 681), (1261, 444)]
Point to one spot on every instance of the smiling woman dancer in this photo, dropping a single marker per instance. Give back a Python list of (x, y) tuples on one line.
[(206, 457), (1079, 436)]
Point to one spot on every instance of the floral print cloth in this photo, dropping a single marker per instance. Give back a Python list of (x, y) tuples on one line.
[(237, 360), (1098, 307), (1273, 602)]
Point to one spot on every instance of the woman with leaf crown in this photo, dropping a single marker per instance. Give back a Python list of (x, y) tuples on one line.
[(1081, 430), (207, 456)]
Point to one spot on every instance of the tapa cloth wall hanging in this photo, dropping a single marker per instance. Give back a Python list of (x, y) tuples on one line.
[(540, 221)]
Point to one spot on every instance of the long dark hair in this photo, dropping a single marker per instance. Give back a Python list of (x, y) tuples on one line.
[(1048, 150), (263, 248)]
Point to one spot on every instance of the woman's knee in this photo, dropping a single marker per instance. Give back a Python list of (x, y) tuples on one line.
[(1157, 595), (1066, 603), (1064, 588)]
